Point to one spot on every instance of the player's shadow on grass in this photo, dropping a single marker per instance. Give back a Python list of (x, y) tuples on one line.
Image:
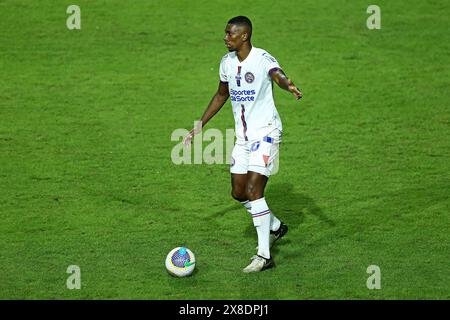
[(290, 207), (291, 204), (228, 209)]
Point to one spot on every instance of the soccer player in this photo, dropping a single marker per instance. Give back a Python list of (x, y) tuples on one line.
[(246, 75)]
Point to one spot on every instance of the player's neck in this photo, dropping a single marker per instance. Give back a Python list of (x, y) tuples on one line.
[(244, 51)]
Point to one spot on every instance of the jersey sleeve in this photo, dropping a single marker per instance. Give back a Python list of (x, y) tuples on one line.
[(269, 63), (223, 70)]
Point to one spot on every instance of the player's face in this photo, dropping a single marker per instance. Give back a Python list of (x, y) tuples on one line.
[(233, 37)]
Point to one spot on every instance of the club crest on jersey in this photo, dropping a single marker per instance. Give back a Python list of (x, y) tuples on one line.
[(249, 77)]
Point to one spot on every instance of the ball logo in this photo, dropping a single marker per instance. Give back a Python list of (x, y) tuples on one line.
[(249, 77), (180, 262)]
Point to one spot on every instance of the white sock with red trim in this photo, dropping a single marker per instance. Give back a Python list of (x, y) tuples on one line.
[(274, 221), (261, 220), (247, 206)]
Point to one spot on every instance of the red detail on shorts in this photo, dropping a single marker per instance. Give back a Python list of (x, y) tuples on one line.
[(266, 159)]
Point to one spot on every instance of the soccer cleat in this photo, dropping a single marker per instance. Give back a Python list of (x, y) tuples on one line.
[(259, 264), (275, 235)]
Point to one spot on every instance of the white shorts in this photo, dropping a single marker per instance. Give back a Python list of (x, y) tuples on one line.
[(259, 155)]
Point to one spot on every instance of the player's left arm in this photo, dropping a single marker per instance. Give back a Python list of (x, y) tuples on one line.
[(284, 82)]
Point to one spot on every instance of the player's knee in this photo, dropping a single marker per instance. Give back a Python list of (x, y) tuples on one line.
[(253, 193), (238, 195)]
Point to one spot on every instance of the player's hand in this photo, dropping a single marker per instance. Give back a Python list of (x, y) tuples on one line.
[(188, 139), (295, 91)]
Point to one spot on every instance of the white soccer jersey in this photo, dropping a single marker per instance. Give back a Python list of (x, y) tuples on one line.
[(250, 87)]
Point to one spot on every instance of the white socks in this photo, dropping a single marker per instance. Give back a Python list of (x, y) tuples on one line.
[(264, 221), (247, 206), (274, 222)]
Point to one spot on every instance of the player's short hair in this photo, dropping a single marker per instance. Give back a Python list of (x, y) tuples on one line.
[(242, 21)]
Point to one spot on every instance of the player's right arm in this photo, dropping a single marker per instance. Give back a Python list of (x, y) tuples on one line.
[(216, 103)]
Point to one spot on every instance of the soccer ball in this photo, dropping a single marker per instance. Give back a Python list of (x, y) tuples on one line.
[(180, 262)]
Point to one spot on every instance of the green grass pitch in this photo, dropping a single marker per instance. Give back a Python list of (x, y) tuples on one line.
[(87, 179)]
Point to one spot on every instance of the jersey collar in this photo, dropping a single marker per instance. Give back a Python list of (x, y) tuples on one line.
[(247, 58)]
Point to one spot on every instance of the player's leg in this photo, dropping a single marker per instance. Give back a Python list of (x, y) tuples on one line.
[(261, 164), (256, 184), (238, 170), (239, 193), (239, 189)]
